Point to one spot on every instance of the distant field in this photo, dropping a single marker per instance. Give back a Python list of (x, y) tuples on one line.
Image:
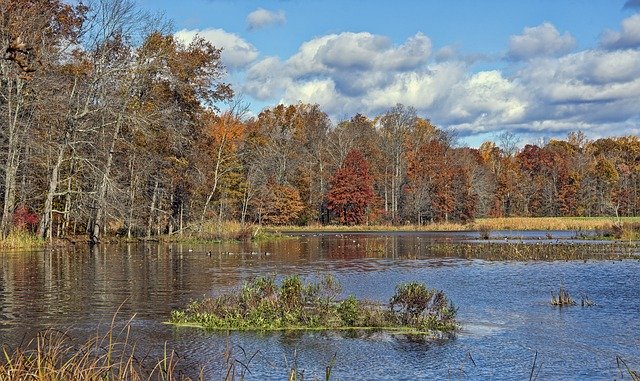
[(507, 223)]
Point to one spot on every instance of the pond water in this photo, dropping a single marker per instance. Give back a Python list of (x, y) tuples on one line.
[(503, 306)]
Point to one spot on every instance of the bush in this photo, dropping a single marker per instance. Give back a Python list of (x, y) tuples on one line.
[(348, 310), (418, 305)]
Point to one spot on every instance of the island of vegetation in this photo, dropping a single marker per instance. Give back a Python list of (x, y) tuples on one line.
[(263, 305)]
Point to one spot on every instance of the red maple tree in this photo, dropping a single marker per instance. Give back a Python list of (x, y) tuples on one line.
[(351, 190)]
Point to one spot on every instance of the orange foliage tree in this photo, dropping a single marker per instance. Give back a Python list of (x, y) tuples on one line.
[(351, 190)]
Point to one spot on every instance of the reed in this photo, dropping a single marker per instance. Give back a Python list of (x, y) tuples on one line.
[(21, 239), (262, 304), (562, 299), (53, 355), (550, 223), (216, 231), (480, 224)]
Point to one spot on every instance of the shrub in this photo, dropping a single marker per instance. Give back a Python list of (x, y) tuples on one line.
[(348, 310)]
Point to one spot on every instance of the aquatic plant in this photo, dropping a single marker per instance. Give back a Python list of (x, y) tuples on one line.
[(484, 231), (263, 305), (53, 355), (562, 299), (544, 251)]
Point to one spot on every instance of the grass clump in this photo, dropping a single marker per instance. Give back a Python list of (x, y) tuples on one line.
[(562, 299), (21, 239), (262, 304), (53, 355)]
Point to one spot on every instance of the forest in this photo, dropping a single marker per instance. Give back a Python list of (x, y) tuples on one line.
[(111, 126)]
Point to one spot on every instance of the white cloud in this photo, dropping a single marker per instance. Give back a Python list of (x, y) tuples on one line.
[(261, 18), (628, 37), (359, 52), (265, 79), (550, 93), (541, 40), (236, 53), (488, 99)]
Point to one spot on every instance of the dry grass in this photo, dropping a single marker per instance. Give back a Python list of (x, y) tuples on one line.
[(369, 228), (53, 355), (480, 224), (20, 239), (550, 223), (218, 231)]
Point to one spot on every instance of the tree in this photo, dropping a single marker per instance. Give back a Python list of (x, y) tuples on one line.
[(33, 35), (281, 206), (351, 190)]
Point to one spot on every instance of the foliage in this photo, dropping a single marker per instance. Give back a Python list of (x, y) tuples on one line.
[(351, 189), (142, 147), (24, 219), (263, 305), (418, 305), (282, 205)]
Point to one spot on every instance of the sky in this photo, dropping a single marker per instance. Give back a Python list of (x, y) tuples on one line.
[(537, 68)]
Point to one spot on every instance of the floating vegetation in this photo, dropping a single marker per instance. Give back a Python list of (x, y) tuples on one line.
[(624, 368), (545, 251), (262, 304), (484, 231), (585, 301), (562, 299)]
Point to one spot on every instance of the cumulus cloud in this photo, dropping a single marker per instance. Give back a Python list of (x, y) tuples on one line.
[(236, 53), (541, 40), (261, 18), (592, 90), (627, 37), (547, 92), (354, 52), (362, 72)]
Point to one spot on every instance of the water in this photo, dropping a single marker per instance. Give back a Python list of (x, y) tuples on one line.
[(503, 307)]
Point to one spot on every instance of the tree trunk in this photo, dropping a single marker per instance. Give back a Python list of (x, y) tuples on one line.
[(152, 210), (100, 204)]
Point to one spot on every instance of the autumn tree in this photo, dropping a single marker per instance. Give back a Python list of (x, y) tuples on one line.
[(281, 205), (351, 190), (33, 35)]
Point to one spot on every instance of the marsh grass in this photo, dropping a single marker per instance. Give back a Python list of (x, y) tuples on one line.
[(550, 223), (54, 355), (562, 298), (480, 224), (261, 304), (215, 231), (21, 239), (519, 251)]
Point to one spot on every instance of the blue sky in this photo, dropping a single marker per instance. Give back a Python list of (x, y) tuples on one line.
[(540, 68)]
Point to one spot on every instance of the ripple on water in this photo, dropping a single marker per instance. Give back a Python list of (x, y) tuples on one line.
[(503, 306)]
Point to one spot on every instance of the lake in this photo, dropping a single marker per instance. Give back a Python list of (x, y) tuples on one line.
[(503, 306)]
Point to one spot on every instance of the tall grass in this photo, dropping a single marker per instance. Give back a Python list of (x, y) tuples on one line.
[(219, 231), (53, 355), (480, 224), (21, 239), (549, 223)]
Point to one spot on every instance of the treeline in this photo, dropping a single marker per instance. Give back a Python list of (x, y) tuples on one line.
[(109, 126)]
